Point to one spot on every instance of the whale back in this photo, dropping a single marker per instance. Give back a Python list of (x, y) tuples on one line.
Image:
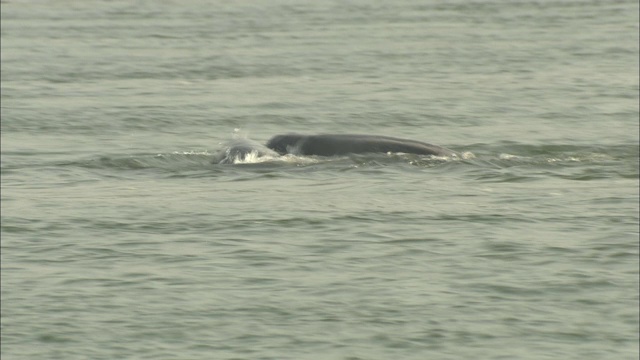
[(341, 144)]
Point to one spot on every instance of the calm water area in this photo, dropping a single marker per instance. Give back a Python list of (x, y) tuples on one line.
[(123, 238)]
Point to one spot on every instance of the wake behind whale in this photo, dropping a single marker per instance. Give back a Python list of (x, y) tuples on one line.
[(244, 150)]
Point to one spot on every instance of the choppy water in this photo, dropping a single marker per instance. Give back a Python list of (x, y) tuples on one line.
[(121, 239)]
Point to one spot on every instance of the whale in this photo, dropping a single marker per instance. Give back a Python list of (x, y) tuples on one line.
[(343, 144)]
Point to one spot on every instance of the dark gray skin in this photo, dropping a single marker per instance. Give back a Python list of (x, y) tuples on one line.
[(341, 144)]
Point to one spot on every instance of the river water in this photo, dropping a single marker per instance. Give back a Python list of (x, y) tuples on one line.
[(123, 239)]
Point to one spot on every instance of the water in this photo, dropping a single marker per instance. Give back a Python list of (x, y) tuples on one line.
[(121, 240)]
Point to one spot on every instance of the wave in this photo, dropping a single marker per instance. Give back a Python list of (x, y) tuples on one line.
[(508, 161)]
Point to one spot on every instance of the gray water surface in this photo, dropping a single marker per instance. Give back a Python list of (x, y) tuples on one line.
[(122, 240)]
